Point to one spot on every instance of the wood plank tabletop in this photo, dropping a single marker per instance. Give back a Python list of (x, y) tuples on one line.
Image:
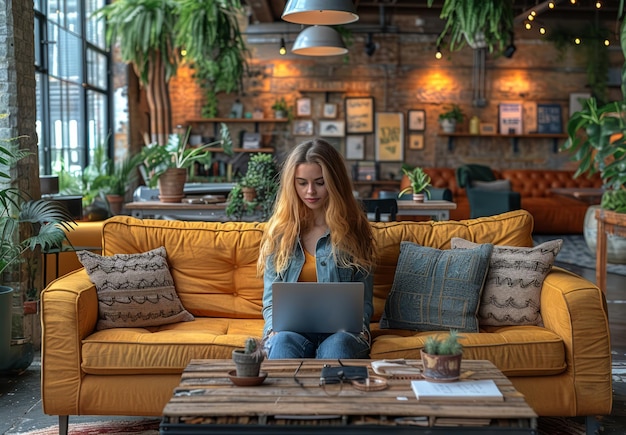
[(207, 395)]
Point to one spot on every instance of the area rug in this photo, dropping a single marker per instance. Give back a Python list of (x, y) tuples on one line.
[(117, 427), (575, 251)]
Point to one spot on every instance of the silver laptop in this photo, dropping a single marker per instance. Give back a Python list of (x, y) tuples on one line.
[(317, 307)]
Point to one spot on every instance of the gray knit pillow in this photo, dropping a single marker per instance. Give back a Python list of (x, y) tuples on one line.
[(134, 290), (512, 292)]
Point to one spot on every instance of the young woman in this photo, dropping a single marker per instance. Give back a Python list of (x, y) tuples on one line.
[(318, 232)]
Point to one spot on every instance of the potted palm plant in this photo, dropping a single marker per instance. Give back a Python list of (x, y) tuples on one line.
[(442, 357), (119, 178), (419, 180), (167, 165), (44, 221)]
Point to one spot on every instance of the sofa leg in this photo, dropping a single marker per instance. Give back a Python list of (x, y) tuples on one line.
[(64, 421), (592, 425)]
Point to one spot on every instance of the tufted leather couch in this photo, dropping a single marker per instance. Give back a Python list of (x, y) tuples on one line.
[(553, 213)]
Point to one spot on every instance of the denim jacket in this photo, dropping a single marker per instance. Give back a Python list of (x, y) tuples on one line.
[(327, 271)]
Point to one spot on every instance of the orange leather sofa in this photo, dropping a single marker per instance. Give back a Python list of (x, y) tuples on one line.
[(553, 213), (563, 368)]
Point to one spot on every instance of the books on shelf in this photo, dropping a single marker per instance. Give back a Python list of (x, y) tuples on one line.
[(484, 389)]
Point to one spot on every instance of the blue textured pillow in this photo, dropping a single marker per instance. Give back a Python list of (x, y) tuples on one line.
[(436, 289)]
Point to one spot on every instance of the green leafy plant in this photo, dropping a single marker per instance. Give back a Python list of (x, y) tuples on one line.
[(122, 174), (447, 346), (419, 179), (45, 220), (262, 176), (597, 141), (452, 111), (177, 153), (476, 22), (281, 105)]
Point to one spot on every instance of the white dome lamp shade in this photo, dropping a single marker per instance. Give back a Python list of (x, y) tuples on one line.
[(319, 41), (324, 12)]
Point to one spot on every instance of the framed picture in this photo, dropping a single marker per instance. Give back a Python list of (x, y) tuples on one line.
[(417, 120), (359, 115), (303, 107), (355, 147), (366, 171), (332, 128), (549, 118), (416, 141), (303, 127), (330, 110), (389, 136)]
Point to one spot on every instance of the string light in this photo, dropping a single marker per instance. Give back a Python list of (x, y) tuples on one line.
[(542, 30), (598, 4), (282, 50), (528, 26), (577, 41), (551, 5), (438, 54), (572, 2), (607, 42)]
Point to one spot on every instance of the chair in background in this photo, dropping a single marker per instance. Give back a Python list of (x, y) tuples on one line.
[(376, 208), (487, 195)]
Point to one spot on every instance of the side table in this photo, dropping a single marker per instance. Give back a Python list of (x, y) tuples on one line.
[(609, 222)]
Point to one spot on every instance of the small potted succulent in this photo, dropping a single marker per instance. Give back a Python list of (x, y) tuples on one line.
[(419, 180), (281, 109), (248, 360), (449, 119), (442, 357)]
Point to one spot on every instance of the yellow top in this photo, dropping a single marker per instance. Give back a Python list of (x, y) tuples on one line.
[(308, 273)]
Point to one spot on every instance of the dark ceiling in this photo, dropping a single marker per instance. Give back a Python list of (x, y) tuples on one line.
[(373, 11)]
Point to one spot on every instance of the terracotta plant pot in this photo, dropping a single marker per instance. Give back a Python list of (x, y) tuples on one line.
[(247, 365), (249, 193), (172, 185), (441, 368), (116, 202)]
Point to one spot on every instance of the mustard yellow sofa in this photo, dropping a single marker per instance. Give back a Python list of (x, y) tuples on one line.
[(563, 368)]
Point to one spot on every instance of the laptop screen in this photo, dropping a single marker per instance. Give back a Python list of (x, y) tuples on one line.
[(317, 307)]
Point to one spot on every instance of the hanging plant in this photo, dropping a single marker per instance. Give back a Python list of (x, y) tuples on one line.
[(479, 23)]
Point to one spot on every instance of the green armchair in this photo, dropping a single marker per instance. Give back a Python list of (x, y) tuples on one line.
[(487, 195)]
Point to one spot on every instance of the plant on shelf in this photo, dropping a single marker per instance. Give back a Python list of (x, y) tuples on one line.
[(120, 176), (281, 109), (168, 165), (479, 23), (450, 117), (419, 180), (597, 141), (248, 360), (260, 176), (442, 357)]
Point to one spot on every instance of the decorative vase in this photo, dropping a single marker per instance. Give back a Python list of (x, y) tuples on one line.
[(247, 365), (441, 368), (418, 197), (279, 114), (172, 185), (249, 193), (448, 125)]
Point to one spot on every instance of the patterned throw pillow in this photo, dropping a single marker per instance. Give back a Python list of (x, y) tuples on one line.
[(512, 293), (436, 289), (134, 290)]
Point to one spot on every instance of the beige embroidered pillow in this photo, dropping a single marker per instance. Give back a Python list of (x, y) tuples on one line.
[(512, 291), (134, 290)]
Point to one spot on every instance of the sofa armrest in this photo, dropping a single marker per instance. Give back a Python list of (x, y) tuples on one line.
[(69, 312), (576, 310)]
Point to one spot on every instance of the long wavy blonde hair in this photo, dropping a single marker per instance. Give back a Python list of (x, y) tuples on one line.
[(351, 232)]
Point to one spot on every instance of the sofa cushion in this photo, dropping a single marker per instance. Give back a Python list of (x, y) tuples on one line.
[(134, 290), (436, 289), (515, 350), (498, 185), (512, 292)]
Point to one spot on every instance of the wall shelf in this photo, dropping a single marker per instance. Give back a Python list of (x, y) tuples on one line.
[(256, 122), (513, 137)]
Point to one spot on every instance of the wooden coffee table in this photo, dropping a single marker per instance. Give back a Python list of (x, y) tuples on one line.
[(206, 401)]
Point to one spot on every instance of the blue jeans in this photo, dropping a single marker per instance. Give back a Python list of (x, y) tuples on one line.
[(340, 345)]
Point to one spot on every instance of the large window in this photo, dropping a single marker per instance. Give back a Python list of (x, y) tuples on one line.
[(73, 84)]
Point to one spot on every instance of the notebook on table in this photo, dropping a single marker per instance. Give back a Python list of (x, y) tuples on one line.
[(317, 307)]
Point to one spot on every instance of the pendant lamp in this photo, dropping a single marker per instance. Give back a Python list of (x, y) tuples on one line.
[(326, 12), (319, 41)]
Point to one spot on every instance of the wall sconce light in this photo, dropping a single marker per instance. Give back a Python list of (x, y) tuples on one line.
[(319, 41), (370, 45), (326, 12), (282, 50)]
